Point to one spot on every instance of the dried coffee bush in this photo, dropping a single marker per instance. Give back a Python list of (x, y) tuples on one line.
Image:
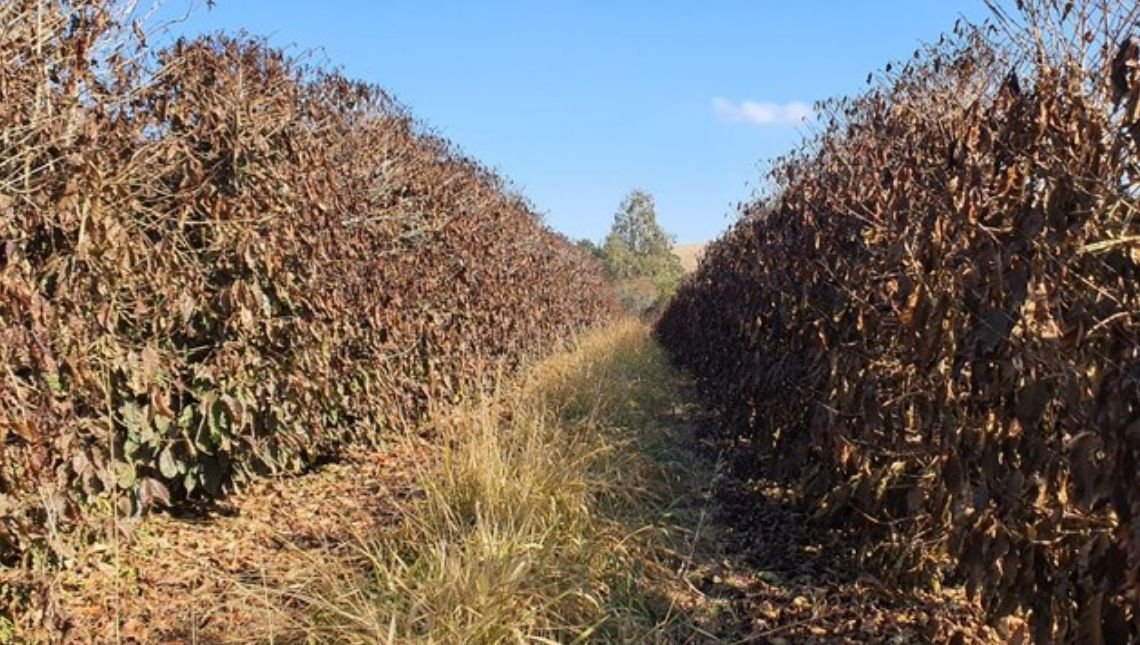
[(931, 322), (216, 263)]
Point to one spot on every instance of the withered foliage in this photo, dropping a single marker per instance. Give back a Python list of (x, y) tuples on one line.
[(933, 322), (216, 263)]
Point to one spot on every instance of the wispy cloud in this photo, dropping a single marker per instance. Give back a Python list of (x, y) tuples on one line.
[(760, 112)]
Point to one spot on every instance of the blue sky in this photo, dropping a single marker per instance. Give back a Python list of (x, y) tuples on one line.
[(579, 102)]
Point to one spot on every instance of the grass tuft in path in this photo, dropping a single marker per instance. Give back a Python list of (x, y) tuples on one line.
[(545, 518)]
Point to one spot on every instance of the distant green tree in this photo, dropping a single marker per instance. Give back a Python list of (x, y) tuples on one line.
[(638, 253), (590, 247)]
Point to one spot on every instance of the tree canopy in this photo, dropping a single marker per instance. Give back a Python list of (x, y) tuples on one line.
[(638, 253), (637, 246)]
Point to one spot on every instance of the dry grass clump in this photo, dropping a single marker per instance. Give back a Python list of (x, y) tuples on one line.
[(537, 523)]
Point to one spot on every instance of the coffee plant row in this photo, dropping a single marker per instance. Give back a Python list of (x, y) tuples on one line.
[(932, 321), (218, 262)]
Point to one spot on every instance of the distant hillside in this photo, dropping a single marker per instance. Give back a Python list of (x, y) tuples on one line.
[(690, 255)]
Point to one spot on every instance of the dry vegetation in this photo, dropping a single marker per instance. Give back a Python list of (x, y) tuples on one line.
[(535, 523), (218, 264), (545, 509), (573, 504), (580, 504), (930, 326)]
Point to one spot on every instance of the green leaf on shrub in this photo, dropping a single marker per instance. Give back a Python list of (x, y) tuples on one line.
[(54, 383), (167, 464), (186, 417), (132, 416), (125, 474)]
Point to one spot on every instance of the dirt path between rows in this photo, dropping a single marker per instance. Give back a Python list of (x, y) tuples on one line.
[(742, 564), (761, 572)]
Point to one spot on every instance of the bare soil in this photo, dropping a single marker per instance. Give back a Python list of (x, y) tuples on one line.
[(187, 576), (764, 573)]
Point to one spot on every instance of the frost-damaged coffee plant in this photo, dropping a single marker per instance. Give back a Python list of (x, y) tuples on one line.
[(216, 263), (932, 322)]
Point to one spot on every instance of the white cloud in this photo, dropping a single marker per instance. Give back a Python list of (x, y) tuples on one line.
[(761, 112)]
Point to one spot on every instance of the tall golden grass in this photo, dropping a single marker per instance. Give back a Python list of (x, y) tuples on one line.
[(545, 518)]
